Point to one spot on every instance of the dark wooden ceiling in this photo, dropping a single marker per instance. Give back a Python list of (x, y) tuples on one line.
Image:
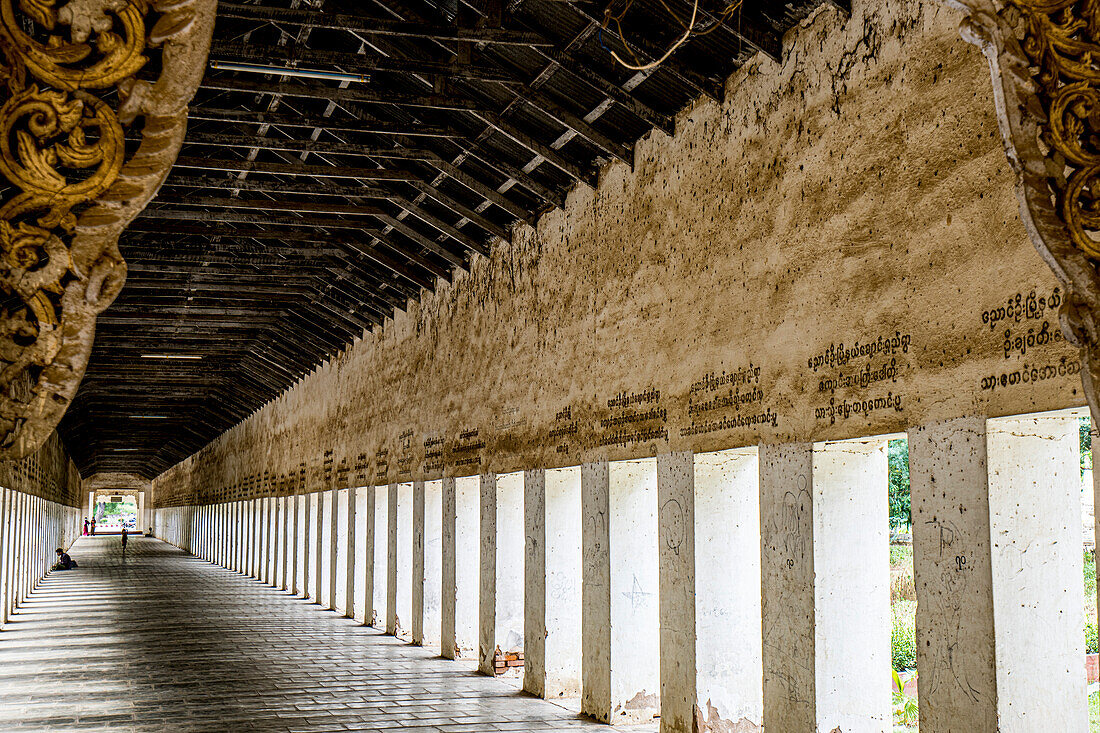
[(305, 211)]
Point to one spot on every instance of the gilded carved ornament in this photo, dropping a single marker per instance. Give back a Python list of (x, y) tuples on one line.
[(1044, 58), (70, 90)]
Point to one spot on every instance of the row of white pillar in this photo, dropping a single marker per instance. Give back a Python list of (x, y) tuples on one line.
[(745, 585), (31, 529)]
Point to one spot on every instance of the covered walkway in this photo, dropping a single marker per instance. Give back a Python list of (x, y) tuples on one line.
[(159, 640)]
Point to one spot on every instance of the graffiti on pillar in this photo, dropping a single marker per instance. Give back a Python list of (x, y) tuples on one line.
[(789, 530), (638, 596), (948, 590), (1046, 89), (73, 86), (673, 525)]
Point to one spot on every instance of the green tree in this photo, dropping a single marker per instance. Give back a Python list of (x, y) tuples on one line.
[(898, 453), (1084, 426)]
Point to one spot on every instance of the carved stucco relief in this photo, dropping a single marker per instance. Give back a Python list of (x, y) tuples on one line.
[(70, 90)]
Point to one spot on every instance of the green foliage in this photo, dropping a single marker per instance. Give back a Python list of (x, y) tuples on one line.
[(1091, 645), (903, 635), (905, 706), (1084, 426), (898, 457), (902, 587), (901, 555), (1090, 575)]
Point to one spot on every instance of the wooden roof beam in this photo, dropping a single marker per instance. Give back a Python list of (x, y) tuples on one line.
[(296, 56), (283, 119), (317, 222), (289, 169), (320, 90), (348, 209), (377, 26), (269, 186), (291, 145)]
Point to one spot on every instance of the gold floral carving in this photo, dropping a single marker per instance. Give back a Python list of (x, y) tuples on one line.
[(1044, 58), (70, 90)]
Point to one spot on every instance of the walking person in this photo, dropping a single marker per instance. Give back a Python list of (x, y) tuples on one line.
[(85, 526), (93, 526), (123, 540)]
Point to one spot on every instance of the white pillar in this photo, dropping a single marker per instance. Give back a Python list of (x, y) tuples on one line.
[(467, 559), (564, 572), (509, 563), (271, 558), (488, 580), (292, 547), (307, 528), (676, 552), (256, 539), (787, 586), (595, 592), (368, 574), (534, 580), (364, 556), (433, 561), (333, 544), (381, 555), (404, 559), (5, 551), (852, 632), (417, 620), (391, 560), (635, 608), (349, 552), (1035, 524), (318, 501), (224, 539), (240, 536), (729, 674), (448, 569), (954, 577), (285, 535)]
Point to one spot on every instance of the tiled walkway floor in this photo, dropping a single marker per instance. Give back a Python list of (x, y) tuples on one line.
[(162, 641)]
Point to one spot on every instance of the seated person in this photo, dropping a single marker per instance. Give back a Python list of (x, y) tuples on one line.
[(64, 562)]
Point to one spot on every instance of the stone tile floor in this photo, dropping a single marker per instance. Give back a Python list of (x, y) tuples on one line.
[(162, 641)]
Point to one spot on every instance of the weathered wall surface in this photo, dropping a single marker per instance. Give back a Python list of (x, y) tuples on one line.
[(834, 252), (110, 480), (48, 473)]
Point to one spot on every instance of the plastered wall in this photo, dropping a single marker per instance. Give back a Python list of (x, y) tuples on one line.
[(48, 473), (832, 252)]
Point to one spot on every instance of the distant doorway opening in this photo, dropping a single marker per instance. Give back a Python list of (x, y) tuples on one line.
[(114, 512)]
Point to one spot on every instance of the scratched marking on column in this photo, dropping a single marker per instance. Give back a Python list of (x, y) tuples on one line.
[(637, 595), (953, 577), (674, 525)]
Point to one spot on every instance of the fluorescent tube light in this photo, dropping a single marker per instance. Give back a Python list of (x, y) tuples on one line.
[(285, 71)]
